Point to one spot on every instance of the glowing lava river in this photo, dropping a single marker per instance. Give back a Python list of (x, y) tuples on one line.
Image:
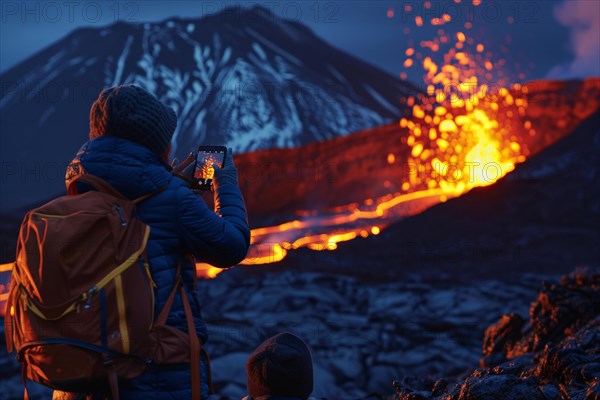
[(323, 232)]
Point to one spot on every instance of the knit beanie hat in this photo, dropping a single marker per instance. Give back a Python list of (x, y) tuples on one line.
[(280, 366), (130, 112)]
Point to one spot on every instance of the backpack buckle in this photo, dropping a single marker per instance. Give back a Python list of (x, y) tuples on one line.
[(88, 300)]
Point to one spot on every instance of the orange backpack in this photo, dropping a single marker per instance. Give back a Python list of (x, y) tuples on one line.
[(80, 311)]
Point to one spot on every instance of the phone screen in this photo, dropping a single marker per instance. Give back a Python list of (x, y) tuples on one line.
[(204, 165)]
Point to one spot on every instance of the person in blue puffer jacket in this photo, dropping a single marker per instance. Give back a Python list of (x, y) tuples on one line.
[(129, 147)]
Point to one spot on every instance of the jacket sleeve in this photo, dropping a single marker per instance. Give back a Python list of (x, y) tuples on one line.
[(220, 238)]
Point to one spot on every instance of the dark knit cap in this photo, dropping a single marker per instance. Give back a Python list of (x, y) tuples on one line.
[(130, 112), (280, 366)]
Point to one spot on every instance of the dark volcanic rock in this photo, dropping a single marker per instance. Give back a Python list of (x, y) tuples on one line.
[(556, 355), (499, 338), (563, 308), (500, 387)]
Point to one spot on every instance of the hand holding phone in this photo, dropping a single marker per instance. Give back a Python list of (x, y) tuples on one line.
[(227, 174), (204, 171)]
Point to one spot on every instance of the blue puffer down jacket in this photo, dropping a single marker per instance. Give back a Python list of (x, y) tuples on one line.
[(179, 219)]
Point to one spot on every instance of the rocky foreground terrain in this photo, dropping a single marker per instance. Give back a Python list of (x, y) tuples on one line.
[(425, 335), (362, 336), (553, 354)]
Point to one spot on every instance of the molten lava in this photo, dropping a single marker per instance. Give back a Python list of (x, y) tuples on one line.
[(457, 141)]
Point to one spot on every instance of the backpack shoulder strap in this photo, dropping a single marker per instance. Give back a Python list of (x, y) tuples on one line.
[(146, 196), (98, 183), (164, 313), (101, 185), (195, 345)]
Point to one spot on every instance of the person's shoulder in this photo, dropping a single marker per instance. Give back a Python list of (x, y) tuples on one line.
[(180, 188), (166, 187), (178, 183)]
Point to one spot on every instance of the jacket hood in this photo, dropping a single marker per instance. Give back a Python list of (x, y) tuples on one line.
[(129, 167)]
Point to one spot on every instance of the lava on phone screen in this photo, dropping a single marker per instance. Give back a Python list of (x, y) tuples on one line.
[(204, 168)]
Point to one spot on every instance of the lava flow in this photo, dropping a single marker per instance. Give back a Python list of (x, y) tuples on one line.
[(460, 136)]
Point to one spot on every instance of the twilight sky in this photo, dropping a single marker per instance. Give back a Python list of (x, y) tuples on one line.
[(539, 39)]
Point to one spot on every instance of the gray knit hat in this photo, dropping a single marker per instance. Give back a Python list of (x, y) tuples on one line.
[(130, 112), (280, 366)]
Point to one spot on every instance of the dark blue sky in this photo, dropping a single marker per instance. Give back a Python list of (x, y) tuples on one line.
[(543, 38)]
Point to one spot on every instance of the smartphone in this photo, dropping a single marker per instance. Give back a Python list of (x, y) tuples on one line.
[(206, 157)]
